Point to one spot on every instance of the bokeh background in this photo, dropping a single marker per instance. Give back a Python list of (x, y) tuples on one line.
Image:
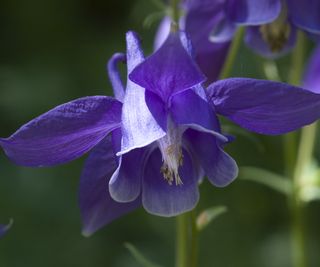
[(54, 51)]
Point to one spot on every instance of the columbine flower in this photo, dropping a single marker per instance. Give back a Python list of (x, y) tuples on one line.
[(170, 135), (273, 23), (4, 228), (198, 21), (167, 135)]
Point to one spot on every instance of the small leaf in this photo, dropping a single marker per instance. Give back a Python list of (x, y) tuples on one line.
[(267, 178), (139, 257), (208, 215)]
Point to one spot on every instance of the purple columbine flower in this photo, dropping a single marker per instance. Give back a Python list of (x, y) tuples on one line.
[(167, 127), (198, 21), (272, 24), (156, 141)]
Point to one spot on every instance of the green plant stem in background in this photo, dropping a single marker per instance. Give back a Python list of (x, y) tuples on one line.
[(295, 168), (182, 251), (295, 75), (187, 240), (233, 51), (194, 240)]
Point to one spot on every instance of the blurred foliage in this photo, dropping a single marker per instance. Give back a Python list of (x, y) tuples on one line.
[(54, 51)]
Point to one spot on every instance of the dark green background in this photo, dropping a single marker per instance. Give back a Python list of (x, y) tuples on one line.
[(54, 51)]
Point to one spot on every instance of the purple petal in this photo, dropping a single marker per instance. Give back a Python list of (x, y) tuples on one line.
[(4, 228), (253, 12), (63, 133), (305, 14), (134, 53), (139, 127), (223, 31), (157, 109), (162, 32), (263, 106), (200, 115), (160, 198), (96, 205), (218, 166), (312, 74), (169, 70), (114, 75), (254, 40), (125, 183)]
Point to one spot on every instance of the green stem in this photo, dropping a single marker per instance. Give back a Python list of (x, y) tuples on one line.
[(175, 11), (182, 251), (194, 239), (187, 240), (296, 169), (295, 75), (233, 51)]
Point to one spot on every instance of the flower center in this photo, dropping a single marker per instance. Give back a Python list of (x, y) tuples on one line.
[(171, 151), (276, 34)]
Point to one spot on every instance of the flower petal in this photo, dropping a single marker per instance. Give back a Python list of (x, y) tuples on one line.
[(305, 14), (63, 133), (96, 205), (162, 32), (311, 76), (253, 12), (139, 127), (169, 70), (263, 106), (160, 198), (125, 183), (201, 115), (254, 40), (223, 31), (219, 167), (114, 75), (5, 227)]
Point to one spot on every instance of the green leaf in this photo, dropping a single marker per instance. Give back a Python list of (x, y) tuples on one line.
[(267, 178), (208, 215), (139, 256)]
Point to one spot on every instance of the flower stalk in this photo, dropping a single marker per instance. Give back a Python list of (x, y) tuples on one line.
[(175, 11), (304, 157), (182, 251), (187, 240), (233, 51)]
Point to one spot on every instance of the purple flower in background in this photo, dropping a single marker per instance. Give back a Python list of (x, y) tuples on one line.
[(199, 20), (311, 79), (4, 228), (272, 24)]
